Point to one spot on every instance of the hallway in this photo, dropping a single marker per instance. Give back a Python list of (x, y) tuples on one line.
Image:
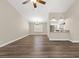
[(39, 46)]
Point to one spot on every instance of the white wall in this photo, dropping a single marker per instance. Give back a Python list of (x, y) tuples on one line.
[(12, 24), (73, 13)]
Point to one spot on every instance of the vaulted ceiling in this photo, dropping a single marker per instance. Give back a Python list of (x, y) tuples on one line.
[(42, 11)]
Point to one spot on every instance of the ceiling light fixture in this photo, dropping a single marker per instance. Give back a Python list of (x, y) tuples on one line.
[(35, 2)]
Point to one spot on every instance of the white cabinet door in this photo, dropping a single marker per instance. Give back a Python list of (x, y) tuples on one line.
[(38, 28)]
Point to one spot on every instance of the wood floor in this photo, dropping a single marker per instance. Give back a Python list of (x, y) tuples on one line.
[(41, 47)]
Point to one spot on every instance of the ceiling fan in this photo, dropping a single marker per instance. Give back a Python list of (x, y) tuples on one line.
[(34, 2)]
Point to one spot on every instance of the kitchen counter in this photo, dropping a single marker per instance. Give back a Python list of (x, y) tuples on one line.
[(61, 31), (59, 35)]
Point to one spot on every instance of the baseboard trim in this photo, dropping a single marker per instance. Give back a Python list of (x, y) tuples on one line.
[(75, 41), (13, 41), (58, 39), (38, 34)]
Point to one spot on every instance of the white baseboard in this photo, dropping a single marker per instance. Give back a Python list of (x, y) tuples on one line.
[(58, 39), (38, 33), (75, 41), (13, 40)]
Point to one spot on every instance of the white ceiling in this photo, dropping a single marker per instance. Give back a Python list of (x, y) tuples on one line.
[(42, 11)]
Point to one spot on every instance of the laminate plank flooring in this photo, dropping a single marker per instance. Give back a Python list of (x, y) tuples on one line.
[(39, 46)]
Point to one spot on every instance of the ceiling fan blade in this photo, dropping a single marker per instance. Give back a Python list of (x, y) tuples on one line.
[(34, 4), (42, 2), (25, 2)]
